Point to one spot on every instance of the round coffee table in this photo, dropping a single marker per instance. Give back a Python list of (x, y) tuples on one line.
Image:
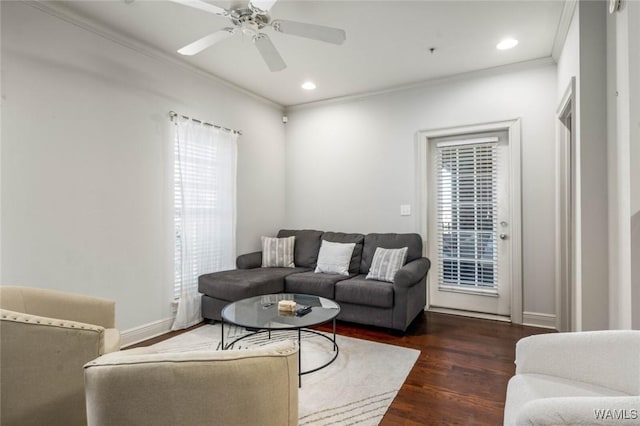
[(260, 313)]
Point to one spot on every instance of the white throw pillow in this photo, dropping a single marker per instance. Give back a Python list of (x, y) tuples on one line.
[(334, 258), (386, 262), (277, 252)]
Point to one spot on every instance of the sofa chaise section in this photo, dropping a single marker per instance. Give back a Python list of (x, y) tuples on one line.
[(221, 288), (240, 284)]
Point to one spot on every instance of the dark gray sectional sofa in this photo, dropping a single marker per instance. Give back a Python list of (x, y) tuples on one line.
[(383, 304)]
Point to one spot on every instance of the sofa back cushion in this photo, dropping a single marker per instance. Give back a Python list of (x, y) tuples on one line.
[(390, 241), (306, 248), (341, 237)]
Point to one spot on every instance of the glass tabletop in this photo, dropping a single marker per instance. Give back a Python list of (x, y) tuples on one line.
[(262, 312)]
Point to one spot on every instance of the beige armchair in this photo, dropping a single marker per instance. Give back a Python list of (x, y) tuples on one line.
[(46, 337), (236, 387)]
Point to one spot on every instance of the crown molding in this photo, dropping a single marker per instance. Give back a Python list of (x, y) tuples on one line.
[(568, 9), (501, 69), (57, 11)]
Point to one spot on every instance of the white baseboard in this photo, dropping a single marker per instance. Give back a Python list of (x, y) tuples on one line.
[(469, 314), (536, 319), (145, 332)]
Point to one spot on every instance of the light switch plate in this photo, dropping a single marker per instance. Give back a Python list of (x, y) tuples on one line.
[(405, 210)]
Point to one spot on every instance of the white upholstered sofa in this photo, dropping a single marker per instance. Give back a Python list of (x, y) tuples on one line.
[(46, 337), (586, 378), (227, 388)]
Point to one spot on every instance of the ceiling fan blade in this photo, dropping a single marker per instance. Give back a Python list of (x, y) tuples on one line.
[(207, 7), (315, 32), (269, 53), (261, 5), (208, 41)]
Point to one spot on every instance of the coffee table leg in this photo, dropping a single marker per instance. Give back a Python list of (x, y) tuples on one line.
[(334, 334), (299, 358), (222, 334)]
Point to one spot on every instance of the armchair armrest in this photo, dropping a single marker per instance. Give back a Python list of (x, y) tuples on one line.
[(624, 410), (603, 358), (52, 329), (412, 272), (58, 304), (236, 387), (42, 361), (249, 260)]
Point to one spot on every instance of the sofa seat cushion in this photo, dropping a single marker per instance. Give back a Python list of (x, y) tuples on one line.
[(242, 283), (318, 284), (361, 291), (524, 388)]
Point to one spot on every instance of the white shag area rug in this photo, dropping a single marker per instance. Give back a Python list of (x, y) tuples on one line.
[(357, 388)]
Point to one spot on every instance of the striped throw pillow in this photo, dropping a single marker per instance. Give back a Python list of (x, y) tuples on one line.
[(278, 252), (386, 263)]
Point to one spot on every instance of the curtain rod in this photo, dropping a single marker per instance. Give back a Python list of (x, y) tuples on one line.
[(173, 114)]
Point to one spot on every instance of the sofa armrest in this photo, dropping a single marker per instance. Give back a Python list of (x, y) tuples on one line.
[(580, 411), (236, 387), (249, 260), (579, 356), (412, 272)]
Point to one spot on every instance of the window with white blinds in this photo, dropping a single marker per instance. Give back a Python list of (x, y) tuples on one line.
[(204, 200), (467, 216), (198, 166)]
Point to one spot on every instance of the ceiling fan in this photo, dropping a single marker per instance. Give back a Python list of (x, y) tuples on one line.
[(250, 20)]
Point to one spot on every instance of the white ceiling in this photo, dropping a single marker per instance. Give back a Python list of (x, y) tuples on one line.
[(387, 41)]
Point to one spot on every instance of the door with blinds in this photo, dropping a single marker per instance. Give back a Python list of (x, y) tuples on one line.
[(469, 221)]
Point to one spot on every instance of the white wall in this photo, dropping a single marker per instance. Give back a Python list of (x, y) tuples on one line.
[(584, 56), (619, 171), (624, 164), (568, 68), (592, 154), (350, 164), (86, 164), (633, 46), (634, 140)]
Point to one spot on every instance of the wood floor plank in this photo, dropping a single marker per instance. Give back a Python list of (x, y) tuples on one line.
[(461, 375)]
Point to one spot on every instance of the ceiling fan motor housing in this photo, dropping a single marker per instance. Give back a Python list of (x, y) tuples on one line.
[(246, 16)]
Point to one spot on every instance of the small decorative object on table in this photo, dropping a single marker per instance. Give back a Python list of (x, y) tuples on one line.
[(287, 305)]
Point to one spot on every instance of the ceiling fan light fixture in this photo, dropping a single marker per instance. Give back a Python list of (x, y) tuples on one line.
[(507, 43), (308, 85)]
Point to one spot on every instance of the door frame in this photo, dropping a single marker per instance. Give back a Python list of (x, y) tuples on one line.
[(513, 129), (565, 210)]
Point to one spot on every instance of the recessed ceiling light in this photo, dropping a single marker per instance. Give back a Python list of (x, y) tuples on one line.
[(308, 85), (507, 43)]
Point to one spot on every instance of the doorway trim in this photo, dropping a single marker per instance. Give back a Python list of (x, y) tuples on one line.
[(565, 209), (513, 128)]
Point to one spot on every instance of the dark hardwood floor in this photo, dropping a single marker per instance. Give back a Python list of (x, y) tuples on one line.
[(461, 375)]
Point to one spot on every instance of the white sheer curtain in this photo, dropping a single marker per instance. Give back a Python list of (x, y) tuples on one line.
[(205, 216)]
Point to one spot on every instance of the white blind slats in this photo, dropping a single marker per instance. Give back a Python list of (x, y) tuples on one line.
[(204, 184), (467, 206)]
